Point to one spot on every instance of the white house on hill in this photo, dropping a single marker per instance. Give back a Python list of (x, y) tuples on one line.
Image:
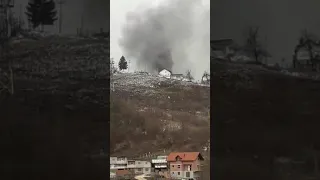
[(165, 73)]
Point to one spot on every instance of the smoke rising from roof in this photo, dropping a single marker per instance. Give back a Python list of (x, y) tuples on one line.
[(160, 37)]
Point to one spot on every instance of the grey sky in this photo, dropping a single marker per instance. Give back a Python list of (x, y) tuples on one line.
[(118, 13), (95, 15), (280, 21), (197, 50)]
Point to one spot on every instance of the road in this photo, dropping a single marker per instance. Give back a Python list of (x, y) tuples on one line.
[(140, 177)]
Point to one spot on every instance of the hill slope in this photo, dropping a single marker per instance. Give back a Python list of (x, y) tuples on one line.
[(151, 113), (261, 116), (57, 113)]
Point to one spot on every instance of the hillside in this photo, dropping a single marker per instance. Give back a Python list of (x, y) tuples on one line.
[(58, 110), (152, 114), (265, 123)]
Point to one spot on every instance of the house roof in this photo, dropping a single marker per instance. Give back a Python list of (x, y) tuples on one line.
[(177, 75), (185, 156), (165, 70), (221, 43), (122, 172)]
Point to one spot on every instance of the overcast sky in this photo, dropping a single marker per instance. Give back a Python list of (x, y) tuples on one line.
[(198, 64), (280, 22), (118, 12)]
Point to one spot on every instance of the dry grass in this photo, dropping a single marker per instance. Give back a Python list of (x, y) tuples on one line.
[(171, 115), (52, 120), (277, 119)]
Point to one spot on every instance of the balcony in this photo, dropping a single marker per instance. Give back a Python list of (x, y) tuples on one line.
[(154, 161), (160, 166), (120, 162), (118, 167), (142, 164), (131, 166)]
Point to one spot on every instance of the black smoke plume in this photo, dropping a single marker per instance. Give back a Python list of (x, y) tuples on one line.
[(156, 37)]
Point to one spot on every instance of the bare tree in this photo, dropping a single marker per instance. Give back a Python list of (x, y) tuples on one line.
[(253, 46), (189, 76), (205, 78)]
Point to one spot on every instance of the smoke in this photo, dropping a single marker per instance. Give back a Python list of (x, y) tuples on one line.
[(173, 35)]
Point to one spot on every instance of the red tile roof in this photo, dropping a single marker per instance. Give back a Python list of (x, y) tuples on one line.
[(122, 172), (185, 156)]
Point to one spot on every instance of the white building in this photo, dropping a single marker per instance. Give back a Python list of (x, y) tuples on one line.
[(160, 163), (118, 163), (165, 73), (138, 167)]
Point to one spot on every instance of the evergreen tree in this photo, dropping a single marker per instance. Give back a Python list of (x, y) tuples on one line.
[(123, 64), (41, 12), (49, 12)]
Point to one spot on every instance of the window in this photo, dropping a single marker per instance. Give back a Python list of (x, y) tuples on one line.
[(172, 172), (173, 166), (178, 173), (178, 166), (139, 169), (146, 169), (187, 174), (146, 162), (139, 162)]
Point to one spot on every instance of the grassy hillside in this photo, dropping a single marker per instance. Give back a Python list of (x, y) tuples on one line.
[(260, 117), (58, 111), (150, 114)]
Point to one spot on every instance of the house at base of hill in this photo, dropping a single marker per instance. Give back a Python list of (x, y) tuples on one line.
[(185, 165), (139, 167), (160, 166), (118, 163)]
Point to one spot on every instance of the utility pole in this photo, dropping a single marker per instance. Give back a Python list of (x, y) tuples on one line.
[(60, 2)]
